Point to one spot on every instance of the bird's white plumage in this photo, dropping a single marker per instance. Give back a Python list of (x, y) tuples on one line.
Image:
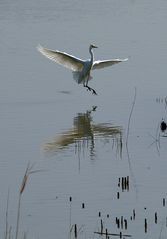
[(106, 63), (81, 68), (62, 58)]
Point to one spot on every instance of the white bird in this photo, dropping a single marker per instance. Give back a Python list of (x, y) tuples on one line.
[(81, 68)]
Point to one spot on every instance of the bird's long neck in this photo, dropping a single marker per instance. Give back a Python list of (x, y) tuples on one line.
[(91, 54)]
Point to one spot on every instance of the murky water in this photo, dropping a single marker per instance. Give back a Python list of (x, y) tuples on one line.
[(103, 165)]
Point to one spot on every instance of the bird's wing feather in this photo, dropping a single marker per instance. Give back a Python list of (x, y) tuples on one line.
[(62, 58), (105, 63)]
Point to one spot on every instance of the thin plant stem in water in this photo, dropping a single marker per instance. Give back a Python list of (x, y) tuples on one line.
[(133, 104), (161, 230), (6, 219), (70, 227), (156, 139), (127, 138), (22, 188)]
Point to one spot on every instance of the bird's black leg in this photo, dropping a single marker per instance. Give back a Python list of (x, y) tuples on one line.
[(94, 92), (89, 88)]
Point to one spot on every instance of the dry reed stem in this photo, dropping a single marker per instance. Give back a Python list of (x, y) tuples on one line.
[(22, 188)]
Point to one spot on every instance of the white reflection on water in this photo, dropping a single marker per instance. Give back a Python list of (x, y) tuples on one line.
[(83, 135)]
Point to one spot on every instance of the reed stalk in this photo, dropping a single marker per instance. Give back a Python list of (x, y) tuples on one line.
[(22, 188)]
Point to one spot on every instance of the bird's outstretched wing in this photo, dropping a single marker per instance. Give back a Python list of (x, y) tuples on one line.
[(62, 58), (105, 63)]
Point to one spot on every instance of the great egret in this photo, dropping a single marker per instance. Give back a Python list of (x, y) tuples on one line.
[(81, 68)]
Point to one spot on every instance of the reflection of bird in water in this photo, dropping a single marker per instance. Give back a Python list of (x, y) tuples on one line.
[(84, 133), (81, 69)]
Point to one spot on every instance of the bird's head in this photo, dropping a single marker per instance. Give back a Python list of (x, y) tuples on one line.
[(93, 46)]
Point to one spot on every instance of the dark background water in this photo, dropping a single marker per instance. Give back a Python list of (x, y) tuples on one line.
[(47, 119)]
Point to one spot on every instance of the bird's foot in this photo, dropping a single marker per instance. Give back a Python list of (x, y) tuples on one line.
[(94, 92), (91, 89)]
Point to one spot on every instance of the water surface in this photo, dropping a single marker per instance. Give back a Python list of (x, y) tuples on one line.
[(79, 140)]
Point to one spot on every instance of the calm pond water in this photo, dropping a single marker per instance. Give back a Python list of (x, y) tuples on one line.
[(101, 158)]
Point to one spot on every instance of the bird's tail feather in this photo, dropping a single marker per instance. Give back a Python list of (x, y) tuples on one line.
[(78, 77)]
